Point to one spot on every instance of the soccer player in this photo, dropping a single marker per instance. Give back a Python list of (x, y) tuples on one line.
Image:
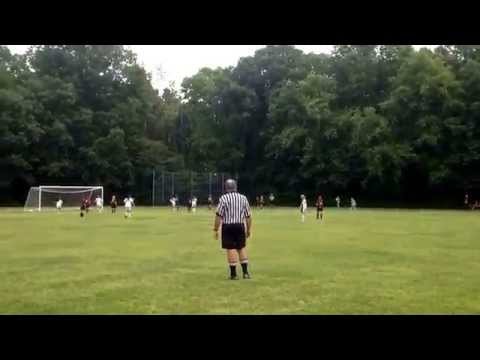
[(303, 206), (128, 206), (173, 202), (194, 204), (99, 204), (271, 198), (113, 204), (353, 203), (257, 201), (476, 205), (128, 198), (210, 202), (59, 205), (83, 207), (320, 207), (262, 201), (466, 200), (233, 214), (337, 199), (87, 204)]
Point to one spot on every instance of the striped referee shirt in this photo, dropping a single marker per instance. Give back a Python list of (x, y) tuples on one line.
[(233, 208)]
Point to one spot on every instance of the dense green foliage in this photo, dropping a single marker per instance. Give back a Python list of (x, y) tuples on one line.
[(373, 121)]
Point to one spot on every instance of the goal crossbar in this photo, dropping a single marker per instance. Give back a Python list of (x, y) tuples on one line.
[(69, 189)]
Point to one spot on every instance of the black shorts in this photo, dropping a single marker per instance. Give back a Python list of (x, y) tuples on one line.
[(233, 236)]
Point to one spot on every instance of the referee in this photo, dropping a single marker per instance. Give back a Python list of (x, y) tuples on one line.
[(233, 213)]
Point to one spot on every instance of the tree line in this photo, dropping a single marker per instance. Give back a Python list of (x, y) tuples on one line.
[(384, 123)]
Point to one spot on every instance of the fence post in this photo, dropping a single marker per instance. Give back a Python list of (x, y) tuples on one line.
[(163, 187), (191, 184), (210, 184), (153, 188)]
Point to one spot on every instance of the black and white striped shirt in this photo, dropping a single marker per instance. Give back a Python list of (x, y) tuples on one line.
[(233, 208)]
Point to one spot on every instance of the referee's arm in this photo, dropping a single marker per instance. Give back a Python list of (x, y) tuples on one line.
[(218, 222), (218, 218), (248, 221), (248, 218)]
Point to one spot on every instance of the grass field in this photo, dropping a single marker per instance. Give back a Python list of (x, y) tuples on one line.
[(158, 262)]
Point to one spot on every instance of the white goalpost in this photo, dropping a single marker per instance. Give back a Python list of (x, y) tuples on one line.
[(41, 198)]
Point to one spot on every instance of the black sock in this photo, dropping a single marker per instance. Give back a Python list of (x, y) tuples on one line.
[(233, 270), (245, 268)]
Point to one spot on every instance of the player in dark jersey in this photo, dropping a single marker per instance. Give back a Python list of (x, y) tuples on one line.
[(113, 204), (320, 207), (88, 203), (83, 208)]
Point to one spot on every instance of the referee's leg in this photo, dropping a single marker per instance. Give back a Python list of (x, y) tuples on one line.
[(232, 258), (242, 254)]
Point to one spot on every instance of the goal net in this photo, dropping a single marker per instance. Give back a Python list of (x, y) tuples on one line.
[(43, 198)]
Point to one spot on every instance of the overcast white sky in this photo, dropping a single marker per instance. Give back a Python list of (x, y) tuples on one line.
[(179, 61)]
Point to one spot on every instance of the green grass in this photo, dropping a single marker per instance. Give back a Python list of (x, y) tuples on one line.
[(363, 262)]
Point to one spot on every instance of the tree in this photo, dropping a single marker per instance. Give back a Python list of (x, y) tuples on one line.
[(378, 121), (424, 110), (354, 68)]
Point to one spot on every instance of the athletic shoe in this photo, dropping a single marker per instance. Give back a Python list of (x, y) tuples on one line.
[(246, 276), (233, 277)]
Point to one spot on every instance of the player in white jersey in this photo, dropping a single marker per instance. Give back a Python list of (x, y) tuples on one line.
[(271, 198), (129, 198), (59, 204), (337, 199), (99, 203), (210, 202), (173, 202), (353, 203), (194, 204), (128, 207), (303, 206)]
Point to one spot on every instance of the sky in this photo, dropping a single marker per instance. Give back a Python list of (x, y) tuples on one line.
[(170, 64)]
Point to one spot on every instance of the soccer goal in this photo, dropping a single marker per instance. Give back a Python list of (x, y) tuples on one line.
[(42, 198)]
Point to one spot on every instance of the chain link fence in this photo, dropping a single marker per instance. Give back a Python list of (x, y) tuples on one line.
[(155, 188)]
